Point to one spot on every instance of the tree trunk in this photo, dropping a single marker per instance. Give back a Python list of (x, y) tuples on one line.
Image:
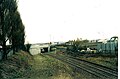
[(4, 50)]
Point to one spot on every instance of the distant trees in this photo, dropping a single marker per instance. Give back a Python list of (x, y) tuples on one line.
[(76, 46), (11, 26)]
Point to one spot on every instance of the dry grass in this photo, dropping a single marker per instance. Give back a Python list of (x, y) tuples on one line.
[(15, 66), (23, 66), (44, 67), (111, 62)]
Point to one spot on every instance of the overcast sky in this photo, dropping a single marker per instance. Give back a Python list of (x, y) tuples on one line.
[(62, 20)]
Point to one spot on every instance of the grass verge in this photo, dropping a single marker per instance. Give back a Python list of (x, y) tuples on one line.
[(45, 67), (105, 60), (15, 66)]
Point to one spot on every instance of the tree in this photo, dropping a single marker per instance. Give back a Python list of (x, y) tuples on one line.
[(11, 25), (7, 7), (18, 34), (28, 47), (76, 46)]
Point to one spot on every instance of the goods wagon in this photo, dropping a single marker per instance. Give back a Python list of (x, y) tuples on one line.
[(110, 46)]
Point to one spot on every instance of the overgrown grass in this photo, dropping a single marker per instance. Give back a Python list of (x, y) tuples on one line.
[(15, 66), (45, 67), (23, 66), (105, 60)]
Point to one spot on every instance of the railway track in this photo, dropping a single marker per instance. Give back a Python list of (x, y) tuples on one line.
[(99, 71)]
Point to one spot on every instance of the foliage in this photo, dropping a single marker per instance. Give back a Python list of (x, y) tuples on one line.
[(17, 37), (76, 46), (16, 66), (11, 26), (27, 48)]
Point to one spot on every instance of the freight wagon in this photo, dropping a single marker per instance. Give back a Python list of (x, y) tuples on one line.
[(110, 46)]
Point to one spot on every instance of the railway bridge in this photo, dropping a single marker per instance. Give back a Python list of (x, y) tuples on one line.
[(39, 48)]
